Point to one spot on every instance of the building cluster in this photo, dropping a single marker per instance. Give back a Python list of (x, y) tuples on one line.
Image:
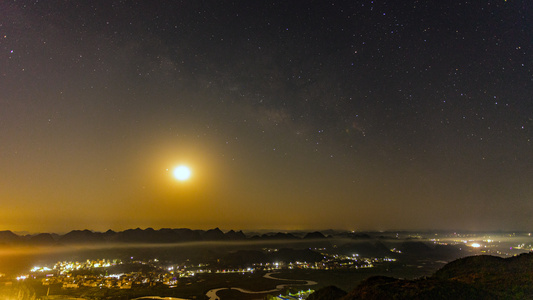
[(65, 267), (113, 281), (64, 273)]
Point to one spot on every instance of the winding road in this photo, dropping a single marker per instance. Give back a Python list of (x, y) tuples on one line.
[(212, 294)]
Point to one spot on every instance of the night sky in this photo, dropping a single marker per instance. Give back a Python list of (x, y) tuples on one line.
[(359, 115)]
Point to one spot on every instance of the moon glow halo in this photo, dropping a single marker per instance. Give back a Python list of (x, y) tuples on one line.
[(182, 173)]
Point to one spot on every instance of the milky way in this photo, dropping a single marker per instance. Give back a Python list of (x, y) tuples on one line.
[(292, 114)]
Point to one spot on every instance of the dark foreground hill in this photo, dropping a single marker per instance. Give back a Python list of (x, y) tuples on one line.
[(474, 277)]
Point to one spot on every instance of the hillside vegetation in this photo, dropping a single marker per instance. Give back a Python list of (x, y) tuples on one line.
[(474, 277)]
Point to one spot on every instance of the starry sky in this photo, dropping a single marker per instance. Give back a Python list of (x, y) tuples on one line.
[(360, 115)]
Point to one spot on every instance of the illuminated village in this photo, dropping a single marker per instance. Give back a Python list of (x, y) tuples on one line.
[(65, 272)]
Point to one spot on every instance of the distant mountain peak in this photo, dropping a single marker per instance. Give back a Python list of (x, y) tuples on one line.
[(149, 235)]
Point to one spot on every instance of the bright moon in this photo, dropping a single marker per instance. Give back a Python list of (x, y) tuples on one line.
[(182, 173)]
